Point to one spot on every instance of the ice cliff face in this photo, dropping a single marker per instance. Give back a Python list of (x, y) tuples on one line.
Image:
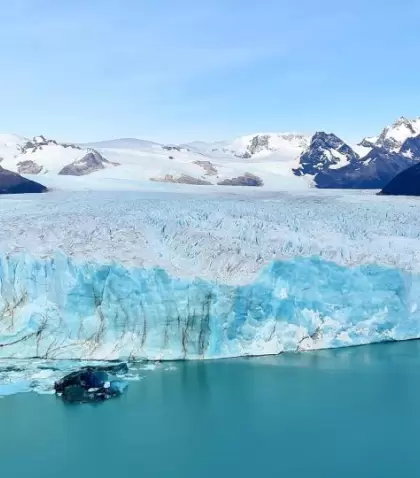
[(58, 309)]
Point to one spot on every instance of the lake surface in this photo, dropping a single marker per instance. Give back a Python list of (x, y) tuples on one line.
[(346, 413)]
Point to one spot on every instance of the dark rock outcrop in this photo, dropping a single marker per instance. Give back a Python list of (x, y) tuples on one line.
[(182, 179), (172, 148), (374, 171), (92, 384), (325, 150), (39, 142), (208, 167), (247, 179), (406, 183), (14, 183), (91, 162), (28, 167), (259, 143)]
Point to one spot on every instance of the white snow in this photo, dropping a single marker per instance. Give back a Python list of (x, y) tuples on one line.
[(270, 156), (53, 158), (10, 144), (400, 131), (145, 160), (394, 136), (341, 158), (151, 161), (362, 151)]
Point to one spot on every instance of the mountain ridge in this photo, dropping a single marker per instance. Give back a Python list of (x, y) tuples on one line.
[(273, 160)]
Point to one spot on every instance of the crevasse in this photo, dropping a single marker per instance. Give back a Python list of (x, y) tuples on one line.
[(58, 308)]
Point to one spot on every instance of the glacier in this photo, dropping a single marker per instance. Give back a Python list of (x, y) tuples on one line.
[(175, 273), (184, 275), (58, 308)]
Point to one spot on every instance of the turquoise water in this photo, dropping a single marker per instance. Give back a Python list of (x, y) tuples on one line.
[(344, 413)]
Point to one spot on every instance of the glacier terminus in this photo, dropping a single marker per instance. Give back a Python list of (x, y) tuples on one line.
[(167, 276)]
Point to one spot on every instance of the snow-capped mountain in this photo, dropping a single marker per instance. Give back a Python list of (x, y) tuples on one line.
[(326, 151), (371, 172), (42, 156), (271, 160), (392, 137), (254, 160), (286, 145), (394, 150)]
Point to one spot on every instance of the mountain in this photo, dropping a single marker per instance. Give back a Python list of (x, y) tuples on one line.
[(89, 163), (270, 160), (395, 149), (371, 172), (256, 161), (326, 151), (42, 156), (13, 183), (287, 146), (406, 183), (392, 137)]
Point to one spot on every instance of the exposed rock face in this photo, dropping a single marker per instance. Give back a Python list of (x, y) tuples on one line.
[(406, 183), (246, 180), (374, 171), (14, 183), (183, 179), (29, 167), (258, 144), (208, 167), (325, 151), (368, 142), (91, 162), (39, 142)]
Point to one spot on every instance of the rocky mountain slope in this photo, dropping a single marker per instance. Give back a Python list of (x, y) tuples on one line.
[(394, 150), (326, 151), (42, 156), (371, 172)]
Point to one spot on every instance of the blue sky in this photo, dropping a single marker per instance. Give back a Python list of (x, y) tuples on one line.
[(178, 70)]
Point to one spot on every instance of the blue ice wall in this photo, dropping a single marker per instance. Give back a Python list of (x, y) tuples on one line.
[(59, 308)]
